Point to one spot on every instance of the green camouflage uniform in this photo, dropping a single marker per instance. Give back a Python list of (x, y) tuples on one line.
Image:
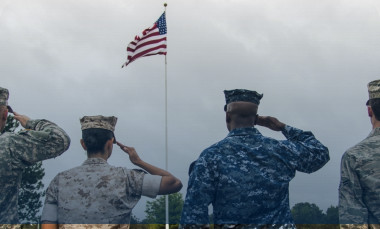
[(40, 140)]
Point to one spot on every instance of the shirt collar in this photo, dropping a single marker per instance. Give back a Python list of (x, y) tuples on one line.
[(244, 131), (374, 132), (94, 160)]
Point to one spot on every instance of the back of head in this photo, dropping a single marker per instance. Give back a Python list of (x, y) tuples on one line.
[(374, 97), (375, 105), (241, 107), (242, 113), (96, 131), (4, 95), (95, 139)]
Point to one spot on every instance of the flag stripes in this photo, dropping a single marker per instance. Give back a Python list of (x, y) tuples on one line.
[(152, 42)]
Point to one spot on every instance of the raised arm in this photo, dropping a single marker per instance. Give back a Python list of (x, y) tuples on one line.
[(169, 183), (40, 140), (306, 153)]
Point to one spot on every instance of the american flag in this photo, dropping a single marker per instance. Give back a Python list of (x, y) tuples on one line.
[(152, 42)]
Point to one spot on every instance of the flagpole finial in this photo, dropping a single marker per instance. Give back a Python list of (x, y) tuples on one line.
[(165, 4)]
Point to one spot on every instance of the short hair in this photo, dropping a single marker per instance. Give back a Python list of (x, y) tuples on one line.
[(375, 105), (95, 139), (243, 113)]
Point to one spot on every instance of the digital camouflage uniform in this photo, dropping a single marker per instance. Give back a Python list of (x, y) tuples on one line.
[(246, 178), (97, 194), (40, 140), (359, 190)]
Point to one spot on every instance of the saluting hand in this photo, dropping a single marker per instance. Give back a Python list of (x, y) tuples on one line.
[(23, 119), (270, 122), (133, 156)]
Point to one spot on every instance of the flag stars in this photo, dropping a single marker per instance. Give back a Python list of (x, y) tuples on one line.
[(161, 24)]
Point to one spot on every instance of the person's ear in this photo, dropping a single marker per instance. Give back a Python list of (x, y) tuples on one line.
[(228, 117), (256, 118), (109, 147), (4, 115), (370, 112), (83, 145)]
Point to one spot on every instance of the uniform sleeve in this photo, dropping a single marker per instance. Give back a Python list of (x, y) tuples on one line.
[(352, 209), (151, 185), (200, 192), (50, 210), (135, 184), (307, 154), (41, 140)]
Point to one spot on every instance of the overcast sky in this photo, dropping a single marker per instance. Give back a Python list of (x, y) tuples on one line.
[(312, 60)]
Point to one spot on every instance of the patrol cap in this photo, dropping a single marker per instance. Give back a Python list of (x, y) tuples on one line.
[(4, 95), (99, 122), (373, 90), (242, 95)]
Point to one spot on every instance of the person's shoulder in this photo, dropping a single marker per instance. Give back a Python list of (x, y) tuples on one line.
[(10, 145), (214, 148), (360, 149), (5, 140), (8, 137), (76, 171)]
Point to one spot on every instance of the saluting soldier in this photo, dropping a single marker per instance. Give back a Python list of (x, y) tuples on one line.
[(40, 140), (246, 175), (99, 195), (359, 190)]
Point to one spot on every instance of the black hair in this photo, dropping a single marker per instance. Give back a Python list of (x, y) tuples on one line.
[(375, 105), (95, 139)]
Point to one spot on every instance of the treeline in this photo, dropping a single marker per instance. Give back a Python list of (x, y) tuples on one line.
[(306, 215)]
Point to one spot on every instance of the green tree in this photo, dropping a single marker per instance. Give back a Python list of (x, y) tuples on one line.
[(11, 124), (306, 213), (134, 219), (155, 210), (31, 188), (30, 193), (332, 215)]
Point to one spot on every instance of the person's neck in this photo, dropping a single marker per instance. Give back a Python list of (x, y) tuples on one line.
[(241, 126), (376, 125), (98, 155)]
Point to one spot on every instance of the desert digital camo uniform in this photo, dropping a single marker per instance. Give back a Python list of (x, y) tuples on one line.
[(40, 140), (246, 177), (97, 193), (359, 191)]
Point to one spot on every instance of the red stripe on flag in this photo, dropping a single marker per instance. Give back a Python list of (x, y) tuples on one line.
[(145, 44), (135, 48)]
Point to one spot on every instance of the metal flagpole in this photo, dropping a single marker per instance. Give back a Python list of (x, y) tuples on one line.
[(166, 135)]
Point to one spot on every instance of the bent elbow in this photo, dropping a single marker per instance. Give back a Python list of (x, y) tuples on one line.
[(178, 185), (175, 186), (170, 185)]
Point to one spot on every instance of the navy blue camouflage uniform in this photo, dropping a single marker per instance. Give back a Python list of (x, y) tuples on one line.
[(246, 177)]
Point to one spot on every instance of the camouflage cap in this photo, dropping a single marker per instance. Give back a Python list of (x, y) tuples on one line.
[(98, 122), (4, 95), (242, 95), (374, 89)]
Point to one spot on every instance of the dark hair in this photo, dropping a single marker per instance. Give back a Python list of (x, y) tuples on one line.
[(375, 105), (95, 139)]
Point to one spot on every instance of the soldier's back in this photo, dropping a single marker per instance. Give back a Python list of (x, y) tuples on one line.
[(95, 193)]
